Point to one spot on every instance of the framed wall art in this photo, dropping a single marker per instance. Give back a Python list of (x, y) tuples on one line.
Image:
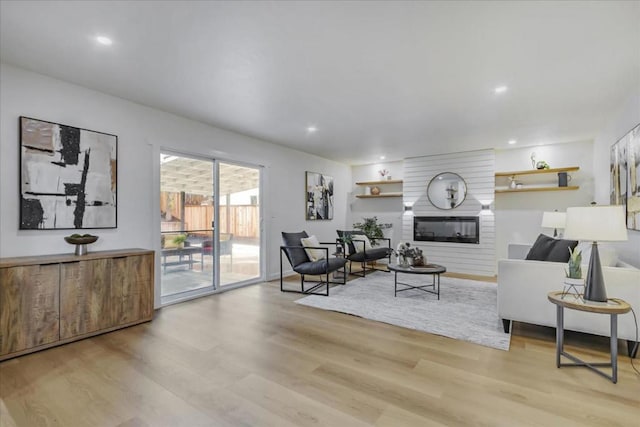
[(68, 177), (319, 196), (625, 176)]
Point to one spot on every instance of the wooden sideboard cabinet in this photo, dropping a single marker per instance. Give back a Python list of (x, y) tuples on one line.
[(55, 299)]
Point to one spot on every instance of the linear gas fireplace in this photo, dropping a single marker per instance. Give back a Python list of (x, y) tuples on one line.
[(455, 229)]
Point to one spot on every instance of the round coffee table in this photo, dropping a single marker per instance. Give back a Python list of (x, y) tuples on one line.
[(433, 269)]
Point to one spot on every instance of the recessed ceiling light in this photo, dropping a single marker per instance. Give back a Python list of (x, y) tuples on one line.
[(512, 141), (382, 157), (500, 89), (104, 40), (312, 129)]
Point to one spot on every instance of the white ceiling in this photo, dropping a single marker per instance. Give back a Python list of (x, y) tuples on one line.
[(395, 78)]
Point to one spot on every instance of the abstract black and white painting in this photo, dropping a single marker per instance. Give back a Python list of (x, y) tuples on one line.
[(633, 179), (625, 176), (68, 177), (319, 196)]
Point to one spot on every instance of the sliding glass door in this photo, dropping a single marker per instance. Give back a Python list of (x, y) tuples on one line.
[(207, 241), (239, 224), (186, 227)]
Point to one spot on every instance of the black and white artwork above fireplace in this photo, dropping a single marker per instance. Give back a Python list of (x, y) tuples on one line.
[(68, 177)]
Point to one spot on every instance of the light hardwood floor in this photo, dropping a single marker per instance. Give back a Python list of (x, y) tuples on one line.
[(252, 357)]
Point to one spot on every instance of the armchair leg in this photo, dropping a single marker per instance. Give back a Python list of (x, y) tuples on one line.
[(506, 323), (281, 284)]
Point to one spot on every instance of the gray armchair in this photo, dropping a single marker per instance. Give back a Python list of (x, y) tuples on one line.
[(297, 257), (365, 255)]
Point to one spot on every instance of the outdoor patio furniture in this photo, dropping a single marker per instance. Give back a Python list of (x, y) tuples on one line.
[(226, 246), (184, 257)]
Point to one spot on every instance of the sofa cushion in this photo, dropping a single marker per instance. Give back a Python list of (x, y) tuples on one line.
[(549, 249), (320, 267), (370, 255), (362, 243)]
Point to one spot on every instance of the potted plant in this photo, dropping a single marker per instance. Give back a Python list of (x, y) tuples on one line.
[(409, 256), (574, 274), (371, 228), (418, 257), (179, 240), (342, 243), (384, 174)]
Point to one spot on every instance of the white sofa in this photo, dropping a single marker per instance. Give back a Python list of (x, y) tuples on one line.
[(523, 287)]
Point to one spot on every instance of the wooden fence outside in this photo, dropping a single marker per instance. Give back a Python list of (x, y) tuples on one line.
[(239, 220)]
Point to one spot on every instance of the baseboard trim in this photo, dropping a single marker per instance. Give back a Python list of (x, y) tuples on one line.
[(492, 279)]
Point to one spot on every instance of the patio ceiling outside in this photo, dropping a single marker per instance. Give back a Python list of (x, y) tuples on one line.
[(195, 176)]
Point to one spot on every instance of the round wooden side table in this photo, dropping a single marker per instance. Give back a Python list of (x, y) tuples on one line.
[(612, 307)]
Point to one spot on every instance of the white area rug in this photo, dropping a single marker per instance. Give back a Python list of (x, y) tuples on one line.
[(467, 309)]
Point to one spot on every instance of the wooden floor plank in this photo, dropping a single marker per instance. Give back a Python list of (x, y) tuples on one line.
[(253, 357), (293, 407)]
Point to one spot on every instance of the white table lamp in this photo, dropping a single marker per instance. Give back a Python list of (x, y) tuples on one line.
[(596, 223), (554, 220)]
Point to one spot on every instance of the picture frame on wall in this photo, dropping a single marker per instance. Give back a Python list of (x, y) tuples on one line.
[(68, 177), (615, 195), (318, 196), (625, 176), (633, 179)]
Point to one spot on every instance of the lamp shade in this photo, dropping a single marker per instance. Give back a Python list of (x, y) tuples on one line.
[(596, 223), (554, 219)]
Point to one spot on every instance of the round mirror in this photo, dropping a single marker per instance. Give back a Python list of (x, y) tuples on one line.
[(447, 190)]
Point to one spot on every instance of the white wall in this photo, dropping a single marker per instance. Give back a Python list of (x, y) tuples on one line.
[(477, 169), (387, 210), (519, 215), (620, 122), (142, 132)]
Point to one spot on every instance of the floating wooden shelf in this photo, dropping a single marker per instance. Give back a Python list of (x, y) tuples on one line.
[(527, 189), (387, 181), (538, 171), (375, 196)]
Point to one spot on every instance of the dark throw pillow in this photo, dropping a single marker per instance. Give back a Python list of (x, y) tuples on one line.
[(549, 249)]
